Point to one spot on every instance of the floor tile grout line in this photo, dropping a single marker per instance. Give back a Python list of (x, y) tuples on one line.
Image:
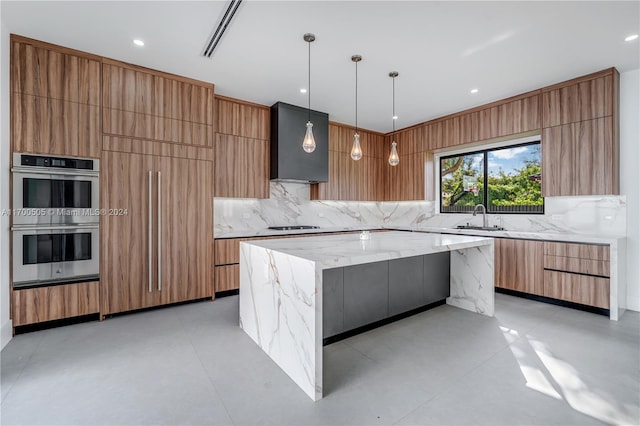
[(457, 379), (211, 381)]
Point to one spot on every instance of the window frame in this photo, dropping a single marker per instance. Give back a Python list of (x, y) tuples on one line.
[(484, 150)]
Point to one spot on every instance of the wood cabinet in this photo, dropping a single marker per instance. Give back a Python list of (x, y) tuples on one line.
[(55, 99), (241, 167), (580, 159), (580, 141), (577, 288), (241, 147), (239, 118), (518, 265), (572, 272), (577, 273), (34, 305), (582, 99), (160, 251), (351, 180), (406, 181), (516, 115), (227, 258), (141, 103)]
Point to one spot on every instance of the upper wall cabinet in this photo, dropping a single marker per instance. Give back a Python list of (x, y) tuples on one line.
[(243, 119), (580, 136), (146, 104), (55, 99), (241, 167), (241, 149), (350, 180), (584, 99), (516, 115)]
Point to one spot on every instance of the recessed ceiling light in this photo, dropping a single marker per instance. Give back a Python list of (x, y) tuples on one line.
[(631, 37), (395, 117), (303, 90), (138, 42), (474, 90)]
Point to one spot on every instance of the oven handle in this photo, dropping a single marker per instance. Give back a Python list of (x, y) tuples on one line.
[(150, 235), (20, 228), (89, 174), (159, 237)]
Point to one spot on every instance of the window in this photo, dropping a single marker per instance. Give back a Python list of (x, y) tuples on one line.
[(504, 180)]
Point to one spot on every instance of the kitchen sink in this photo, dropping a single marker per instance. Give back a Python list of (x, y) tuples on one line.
[(480, 228)]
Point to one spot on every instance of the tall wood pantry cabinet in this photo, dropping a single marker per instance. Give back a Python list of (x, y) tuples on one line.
[(158, 245), (157, 181)]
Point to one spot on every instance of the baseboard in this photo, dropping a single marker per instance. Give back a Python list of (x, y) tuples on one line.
[(6, 333)]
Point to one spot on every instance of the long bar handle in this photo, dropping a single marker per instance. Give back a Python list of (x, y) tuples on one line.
[(150, 236), (159, 236)]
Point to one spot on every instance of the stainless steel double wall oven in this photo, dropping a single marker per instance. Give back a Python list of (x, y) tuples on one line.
[(55, 220)]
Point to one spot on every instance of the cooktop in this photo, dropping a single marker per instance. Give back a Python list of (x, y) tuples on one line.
[(292, 227)]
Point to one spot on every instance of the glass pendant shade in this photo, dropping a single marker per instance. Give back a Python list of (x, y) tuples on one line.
[(393, 157), (309, 143), (356, 151)]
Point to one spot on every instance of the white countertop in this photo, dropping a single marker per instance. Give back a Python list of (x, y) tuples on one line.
[(331, 251), (528, 235), (251, 233), (548, 236)]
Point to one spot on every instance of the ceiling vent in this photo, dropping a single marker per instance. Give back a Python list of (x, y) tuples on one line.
[(216, 35)]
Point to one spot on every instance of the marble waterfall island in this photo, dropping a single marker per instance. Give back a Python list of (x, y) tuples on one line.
[(294, 290)]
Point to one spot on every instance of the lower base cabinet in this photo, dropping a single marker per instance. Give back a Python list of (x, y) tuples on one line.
[(226, 277), (366, 294), (358, 295), (35, 305), (583, 289)]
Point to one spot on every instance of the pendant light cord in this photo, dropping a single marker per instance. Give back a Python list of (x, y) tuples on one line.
[(393, 107), (309, 76), (356, 96)]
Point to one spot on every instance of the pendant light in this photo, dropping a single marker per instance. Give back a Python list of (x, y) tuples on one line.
[(309, 143), (356, 151), (393, 156)]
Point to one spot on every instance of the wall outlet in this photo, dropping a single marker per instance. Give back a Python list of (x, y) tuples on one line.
[(320, 214), (557, 217)]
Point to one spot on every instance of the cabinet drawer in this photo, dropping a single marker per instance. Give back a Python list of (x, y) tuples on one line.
[(583, 289), (226, 277), (34, 305), (577, 265), (581, 251), (227, 251)]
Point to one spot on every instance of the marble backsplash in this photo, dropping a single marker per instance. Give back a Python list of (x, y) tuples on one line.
[(289, 204)]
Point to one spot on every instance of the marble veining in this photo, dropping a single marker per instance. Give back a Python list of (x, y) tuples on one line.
[(289, 204), (281, 304)]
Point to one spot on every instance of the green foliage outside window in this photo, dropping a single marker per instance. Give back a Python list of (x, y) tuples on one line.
[(513, 179)]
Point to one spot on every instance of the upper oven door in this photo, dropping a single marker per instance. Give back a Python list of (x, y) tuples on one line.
[(55, 197)]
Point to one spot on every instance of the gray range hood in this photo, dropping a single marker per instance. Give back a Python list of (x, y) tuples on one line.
[(288, 160)]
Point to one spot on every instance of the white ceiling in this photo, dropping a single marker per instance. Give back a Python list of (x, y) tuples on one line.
[(440, 49)]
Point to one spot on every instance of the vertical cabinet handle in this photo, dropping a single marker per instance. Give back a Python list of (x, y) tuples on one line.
[(159, 236), (150, 236)]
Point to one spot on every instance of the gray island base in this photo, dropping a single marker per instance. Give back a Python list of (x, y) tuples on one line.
[(283, 299)]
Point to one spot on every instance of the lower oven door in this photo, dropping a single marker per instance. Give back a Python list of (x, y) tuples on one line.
[(55, 255)]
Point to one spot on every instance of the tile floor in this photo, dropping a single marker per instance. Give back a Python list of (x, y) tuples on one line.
[(532, 364)]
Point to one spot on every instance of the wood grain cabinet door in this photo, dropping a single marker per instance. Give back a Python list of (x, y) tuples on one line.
[(519, 265), (184, 226), (124, 241)]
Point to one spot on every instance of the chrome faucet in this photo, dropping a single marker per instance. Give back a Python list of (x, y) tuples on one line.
[(485, 223)]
